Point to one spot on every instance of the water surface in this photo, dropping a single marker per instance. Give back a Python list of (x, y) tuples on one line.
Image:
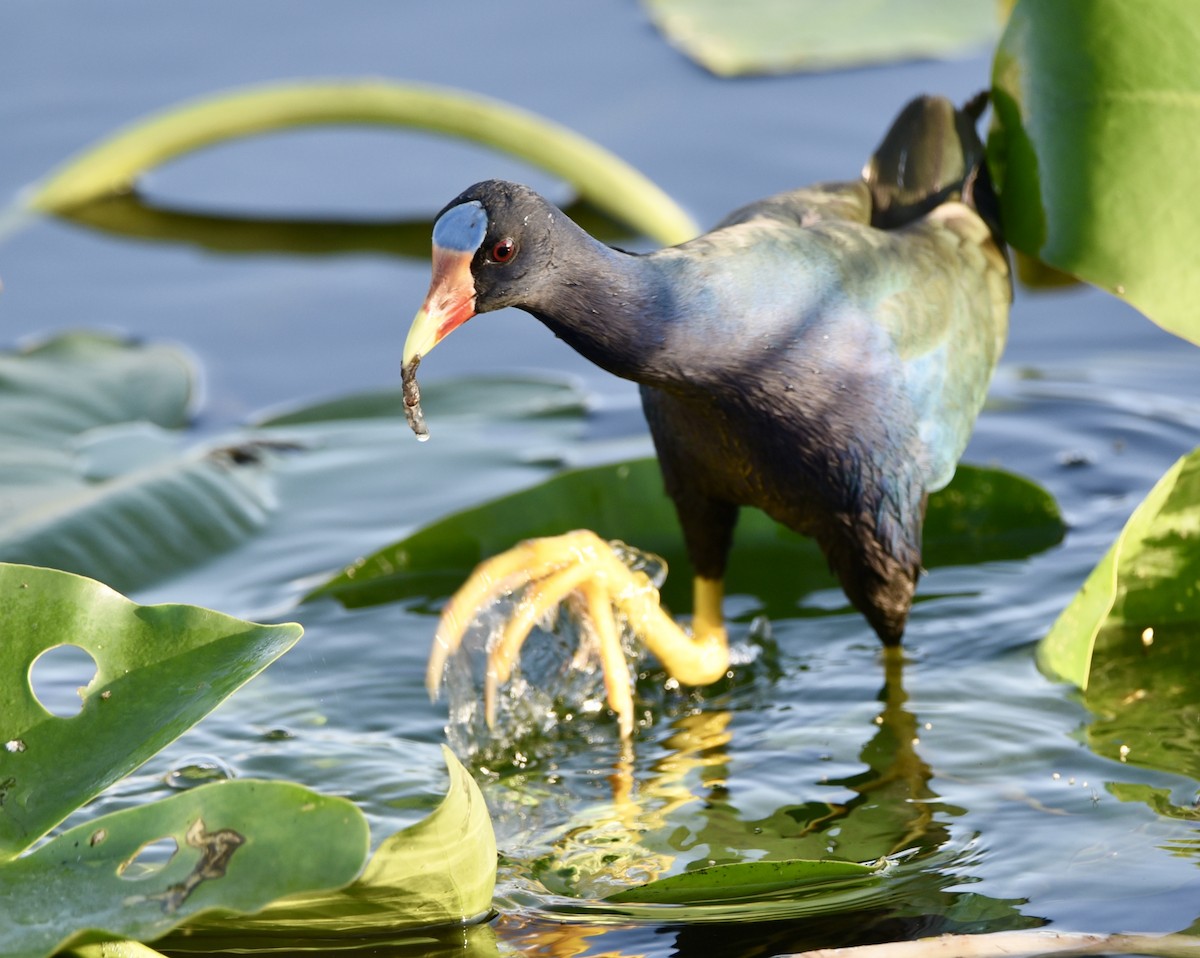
[(966, 763)]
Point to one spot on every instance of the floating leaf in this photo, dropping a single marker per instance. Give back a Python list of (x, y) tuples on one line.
[(160, 669), (606, 181), (780, 36), (234, 846), (747, 881), (480, 397), (440, 871), (1096, 139), (90, 484), (1149, 579), (983, 515), (138, 528), (78, 381)]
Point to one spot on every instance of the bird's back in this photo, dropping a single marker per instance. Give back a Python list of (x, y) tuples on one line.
[(852, 339)]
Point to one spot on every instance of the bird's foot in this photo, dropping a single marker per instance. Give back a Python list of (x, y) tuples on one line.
[(594, 574)]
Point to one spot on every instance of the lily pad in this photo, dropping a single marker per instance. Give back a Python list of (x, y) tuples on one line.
[(1095, 138), (61, 387), (90, 481), (782, 36), (1148, 580), (983, 515), (159, 670), (747, 881), (440, 871), (226, 844)]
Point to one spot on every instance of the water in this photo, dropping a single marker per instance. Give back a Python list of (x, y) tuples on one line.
[(964, 759)]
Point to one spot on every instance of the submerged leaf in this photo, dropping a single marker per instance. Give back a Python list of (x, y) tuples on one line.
[(440, 871), (601, 177), (983, 515), (747, 881), (780, 36), (1094, 147), (159, 670), (1148, 580), (138, 873)]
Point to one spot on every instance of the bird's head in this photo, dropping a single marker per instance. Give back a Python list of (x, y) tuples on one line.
[(491, 246)]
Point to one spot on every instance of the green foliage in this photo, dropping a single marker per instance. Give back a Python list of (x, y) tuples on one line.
[(779, 36), (59, 388), (1149, 579), (229, 840), (747, 881), (159, 670), (983, 515), (112, 167), (440, 871), (1097, 103), (90, 483)]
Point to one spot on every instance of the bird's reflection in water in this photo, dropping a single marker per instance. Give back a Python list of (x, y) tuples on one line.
[(660, 811)]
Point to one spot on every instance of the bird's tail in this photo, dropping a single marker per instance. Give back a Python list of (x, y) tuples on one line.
[(931, 154)]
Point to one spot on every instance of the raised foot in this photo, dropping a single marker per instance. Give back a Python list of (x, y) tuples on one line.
[(577, 564)]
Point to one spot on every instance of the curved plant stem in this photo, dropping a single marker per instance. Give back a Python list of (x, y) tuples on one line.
[(112, 166)]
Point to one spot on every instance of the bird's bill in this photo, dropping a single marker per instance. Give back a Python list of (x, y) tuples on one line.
[(449, 304)]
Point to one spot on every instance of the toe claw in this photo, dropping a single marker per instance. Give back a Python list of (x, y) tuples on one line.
[(553, 569)]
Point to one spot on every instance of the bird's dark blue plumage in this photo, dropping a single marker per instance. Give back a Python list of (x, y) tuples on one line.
[(800, 357)]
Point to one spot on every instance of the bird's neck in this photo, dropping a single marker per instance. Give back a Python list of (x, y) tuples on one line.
[(608, 305)]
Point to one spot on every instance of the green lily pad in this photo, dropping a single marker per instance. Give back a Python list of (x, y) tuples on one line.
[(440, 871), (64, 386), (1148, 580), (983, 515), (134, 529), (91, 483), (234, 846), (1095, 137), (480, 397), (160, 669), (781, 36), (746, 881)]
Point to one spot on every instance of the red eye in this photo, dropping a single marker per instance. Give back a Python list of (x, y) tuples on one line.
[(503, 251)]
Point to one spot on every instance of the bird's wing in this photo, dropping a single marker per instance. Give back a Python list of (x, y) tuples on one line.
[(931, 297), (848, 202)]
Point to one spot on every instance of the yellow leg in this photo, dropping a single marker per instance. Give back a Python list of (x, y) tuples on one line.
[(581, 562)]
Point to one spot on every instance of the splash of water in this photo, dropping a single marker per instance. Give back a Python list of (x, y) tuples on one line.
[(557, 686)]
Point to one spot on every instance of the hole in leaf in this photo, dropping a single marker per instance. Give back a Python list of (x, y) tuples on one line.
[(149, 860), (58, 677)]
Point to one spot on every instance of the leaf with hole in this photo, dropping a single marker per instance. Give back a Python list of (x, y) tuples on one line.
[(159, 670), (138, 873), (440, 871)]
